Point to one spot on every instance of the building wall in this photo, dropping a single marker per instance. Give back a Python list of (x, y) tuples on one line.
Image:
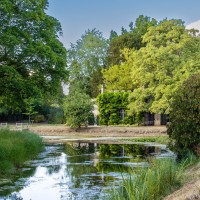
[(157, 119)]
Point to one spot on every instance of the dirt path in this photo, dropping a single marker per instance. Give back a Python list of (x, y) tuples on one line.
[(63, 134), (96, 131)]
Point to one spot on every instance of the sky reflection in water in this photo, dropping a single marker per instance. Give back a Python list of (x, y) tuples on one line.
[(77, 171)]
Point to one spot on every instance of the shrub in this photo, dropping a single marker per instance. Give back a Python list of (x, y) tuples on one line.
[(39, 118), (56, 115), (184, 126), (78, 108)]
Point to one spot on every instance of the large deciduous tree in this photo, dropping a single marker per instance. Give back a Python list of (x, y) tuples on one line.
[(128, 39), (32, 59), (86, 58), (117, 75), (170, 56)]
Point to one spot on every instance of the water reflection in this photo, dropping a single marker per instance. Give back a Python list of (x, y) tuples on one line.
[(77, 171)]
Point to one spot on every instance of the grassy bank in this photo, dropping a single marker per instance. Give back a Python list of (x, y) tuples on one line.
[(15, 148), (153, 183), (159, 139)]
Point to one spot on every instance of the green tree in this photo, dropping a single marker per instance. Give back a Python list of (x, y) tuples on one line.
[(128, 39), (30, 108), (86, 58), (32, 59), (77, 108), (184, 127), (113, 34), (118, 77), (170, 56)]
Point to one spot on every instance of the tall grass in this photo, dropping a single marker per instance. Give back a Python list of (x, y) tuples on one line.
[(15, 148), (152, 183)]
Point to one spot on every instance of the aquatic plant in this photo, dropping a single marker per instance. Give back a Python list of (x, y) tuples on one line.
[(17, 147), (152, 183)]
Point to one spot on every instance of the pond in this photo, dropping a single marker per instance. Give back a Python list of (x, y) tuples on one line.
[(79, 170)]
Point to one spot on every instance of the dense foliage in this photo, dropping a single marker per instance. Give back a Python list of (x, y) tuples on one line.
[(153, 182), (86, 58), (78, 108), (184, 127), (111, 105), (32, 59), (17, 147), (128, 39), (118, 77), (170, 56)]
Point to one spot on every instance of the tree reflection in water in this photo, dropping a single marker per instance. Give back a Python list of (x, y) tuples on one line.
[(77, 171)]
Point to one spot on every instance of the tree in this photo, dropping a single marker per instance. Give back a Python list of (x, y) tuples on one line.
[(29, 106), (113, 34), (77, 108), (86, 58), (32, 59), (118, 77), (117, 44), (170, 56), (184, 127), (128, 39)]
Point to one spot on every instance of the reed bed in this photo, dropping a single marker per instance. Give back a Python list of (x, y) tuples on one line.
[(16, 147), (153, 183)]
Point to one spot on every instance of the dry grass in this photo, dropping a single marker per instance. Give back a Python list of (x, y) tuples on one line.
[(191, 190)]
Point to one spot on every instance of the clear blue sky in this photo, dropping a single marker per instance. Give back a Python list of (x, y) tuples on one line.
[(76, 16)]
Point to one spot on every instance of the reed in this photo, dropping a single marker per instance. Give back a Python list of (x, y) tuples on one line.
[(152, 183), (16, 148)]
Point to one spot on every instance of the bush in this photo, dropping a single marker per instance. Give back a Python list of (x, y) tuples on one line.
[(56, 115), (78, 108), (39, 118), (184, 126)]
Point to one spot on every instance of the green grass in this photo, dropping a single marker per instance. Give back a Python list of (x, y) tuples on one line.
[(159, 139), (16, 147), (154, 182)]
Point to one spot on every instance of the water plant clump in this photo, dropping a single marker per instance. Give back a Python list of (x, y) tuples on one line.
[(152, 183), (17, 147)]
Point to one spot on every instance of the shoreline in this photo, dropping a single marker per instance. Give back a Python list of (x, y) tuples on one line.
[(190, 189)]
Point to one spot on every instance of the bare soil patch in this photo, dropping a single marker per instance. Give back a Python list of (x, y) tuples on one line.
[(191, 190), (62, 133), (96, 131)]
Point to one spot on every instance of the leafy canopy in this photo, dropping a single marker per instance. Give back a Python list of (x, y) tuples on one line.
[(118, 77), (32, 59), (128, 39), (86, 58), (118, 74), (170, 56)]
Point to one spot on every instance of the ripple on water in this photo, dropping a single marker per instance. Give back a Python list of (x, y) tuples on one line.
[(56, 175)]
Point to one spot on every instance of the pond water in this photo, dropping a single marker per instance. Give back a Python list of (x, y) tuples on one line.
[(79, 171)]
